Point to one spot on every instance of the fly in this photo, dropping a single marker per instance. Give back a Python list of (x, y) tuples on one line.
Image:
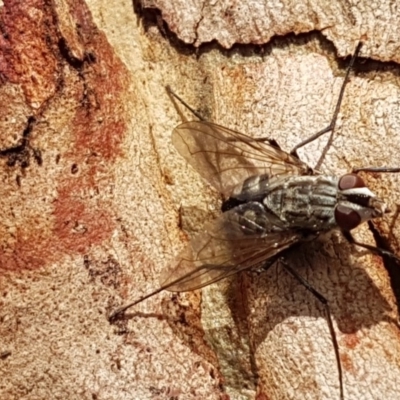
[(273, 200)]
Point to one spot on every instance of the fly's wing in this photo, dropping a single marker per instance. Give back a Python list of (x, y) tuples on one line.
[(225, 158), (225, 247)]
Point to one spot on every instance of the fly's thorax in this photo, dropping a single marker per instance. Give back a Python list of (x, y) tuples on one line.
[(303, 202), (321, 202)]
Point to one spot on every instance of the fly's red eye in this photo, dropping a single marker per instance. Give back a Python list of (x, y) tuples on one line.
[(346, 218), (350, 181)]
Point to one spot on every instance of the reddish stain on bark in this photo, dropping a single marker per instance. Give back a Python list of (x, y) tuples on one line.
[(262, 396), (79, 223), (27, 53), (351, 340), (81, 212), (99, 128), (347, 363), (98, 124), (28, 253)]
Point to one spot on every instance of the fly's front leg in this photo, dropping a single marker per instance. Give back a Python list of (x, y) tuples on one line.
[(332, 124), (373, 249), (375, 169)]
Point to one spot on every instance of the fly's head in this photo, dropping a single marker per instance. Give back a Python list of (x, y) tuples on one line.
[(356, 203)]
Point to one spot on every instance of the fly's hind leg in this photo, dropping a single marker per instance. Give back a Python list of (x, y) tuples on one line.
[(265, 266), (325, 303)]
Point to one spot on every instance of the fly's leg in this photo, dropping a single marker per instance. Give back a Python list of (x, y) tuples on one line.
[(390, 260), (325, 303), (265, 266), (373, 249), (375, 169), (183, 102), (120, 311), (331, 126), (272, 142)]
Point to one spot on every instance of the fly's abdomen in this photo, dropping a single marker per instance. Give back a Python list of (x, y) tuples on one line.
[(252, 189)]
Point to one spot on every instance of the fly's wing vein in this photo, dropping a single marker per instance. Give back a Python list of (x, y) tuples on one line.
[(225, 158), (223, 249)]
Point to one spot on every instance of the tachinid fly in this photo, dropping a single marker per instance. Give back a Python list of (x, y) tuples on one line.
[(273, 200)]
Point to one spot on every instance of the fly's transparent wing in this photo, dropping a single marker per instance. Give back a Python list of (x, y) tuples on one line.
[(225, 158), (226, 246)]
